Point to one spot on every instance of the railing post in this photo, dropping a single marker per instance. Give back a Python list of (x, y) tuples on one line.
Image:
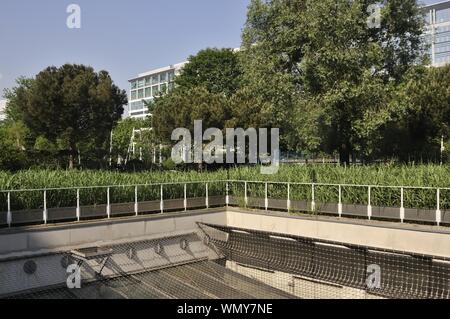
[(369, 203), (340, 202), (108, 203), (438, 208), (9, 215), (266, 202), (136, 203), (161, 205), (185, 197), (78, 205), (246, 194), (402, 206), (227, 196), (313, 200), (45, 208), (207, 195), (288, 197)]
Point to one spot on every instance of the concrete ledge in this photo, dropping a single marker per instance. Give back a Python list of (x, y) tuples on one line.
[(53, 237)]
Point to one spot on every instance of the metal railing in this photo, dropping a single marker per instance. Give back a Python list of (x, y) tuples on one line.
[(228, 192)]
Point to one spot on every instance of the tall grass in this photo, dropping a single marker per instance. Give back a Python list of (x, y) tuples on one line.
[(423, 175)]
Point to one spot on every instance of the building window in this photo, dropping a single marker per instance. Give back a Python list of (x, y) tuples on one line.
[(148, 92), (141, 83), (155, 79), (163, 88), (171, 76), (163, 77), (155, 90), (133, 95), (133, 85), (141, 94), (148, 81)]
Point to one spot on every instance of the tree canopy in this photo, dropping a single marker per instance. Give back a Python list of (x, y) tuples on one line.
[(72, 106)]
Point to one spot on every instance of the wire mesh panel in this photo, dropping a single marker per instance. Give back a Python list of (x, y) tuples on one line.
[(61, 205), (93, 203), (149, 199), (27, 207), (122, 200), (310, 268)]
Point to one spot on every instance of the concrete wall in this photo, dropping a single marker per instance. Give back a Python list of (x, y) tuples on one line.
[(420, 239), (427, 240)]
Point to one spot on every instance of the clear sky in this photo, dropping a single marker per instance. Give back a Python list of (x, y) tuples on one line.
[(125, 37)]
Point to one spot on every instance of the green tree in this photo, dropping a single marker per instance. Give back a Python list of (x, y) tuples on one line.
[(422, 118), (183, 106), (72, 105), (325, 73), (218, 70)]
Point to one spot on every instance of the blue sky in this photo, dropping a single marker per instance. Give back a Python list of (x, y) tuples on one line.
[(125, 37)]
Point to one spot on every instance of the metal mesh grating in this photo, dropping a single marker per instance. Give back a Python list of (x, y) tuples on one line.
[(310, 268)]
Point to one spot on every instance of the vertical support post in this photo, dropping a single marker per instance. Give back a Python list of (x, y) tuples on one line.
[(45, 208), (266, 202), (108, 203), (227, 196), (78, 206), (185, 197), (313, 198), (340, 202), (246, 194), (207, 195), (438, 208), (136, 203), (9, 215), (288, 197), (161, 205), (369, 203), (402, 206)]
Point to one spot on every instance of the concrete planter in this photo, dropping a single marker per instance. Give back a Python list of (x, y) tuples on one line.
[(62, 214), (28, 216), (354, 210), (256, 202), (420, 215), (122, 209), (96, 211), (386, 212), (174, 204), (217, 201), (300, 206), (327, 208), (278, 204), (3, 219), (196, 202), (149, 206)]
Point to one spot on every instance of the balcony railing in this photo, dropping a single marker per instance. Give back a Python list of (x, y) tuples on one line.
[(425, 205)]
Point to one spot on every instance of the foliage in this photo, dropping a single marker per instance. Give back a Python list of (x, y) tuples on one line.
[(320, 61), (217, 70), (72, 106)]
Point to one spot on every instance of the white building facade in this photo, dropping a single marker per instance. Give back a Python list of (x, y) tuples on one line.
[(146, 86), (437, 32), (3, 109)]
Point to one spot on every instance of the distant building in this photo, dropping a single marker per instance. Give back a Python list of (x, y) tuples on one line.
[(146, 86), (3, 109), (437, 32)]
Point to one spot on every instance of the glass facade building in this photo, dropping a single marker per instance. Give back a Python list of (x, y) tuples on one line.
[(146, 86), (437, 33)]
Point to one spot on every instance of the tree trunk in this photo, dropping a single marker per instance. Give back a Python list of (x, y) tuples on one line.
[(73, 151), (344, 154)]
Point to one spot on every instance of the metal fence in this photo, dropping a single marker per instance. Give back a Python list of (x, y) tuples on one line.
[(395, 203)]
